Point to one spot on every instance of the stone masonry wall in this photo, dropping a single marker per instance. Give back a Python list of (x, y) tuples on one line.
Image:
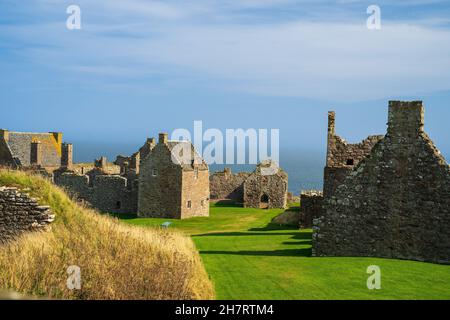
[(107, 193), (342, 157), (173, 181), (228, 186), (273, 186), (395, 203), (196, 191), (20, 144), (310, 207), (20, 213), (158, 177)]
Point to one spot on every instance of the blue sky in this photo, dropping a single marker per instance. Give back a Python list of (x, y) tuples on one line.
[(139, 67)]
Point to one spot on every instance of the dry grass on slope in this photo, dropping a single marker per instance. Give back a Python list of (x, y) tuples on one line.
[(116, 261)]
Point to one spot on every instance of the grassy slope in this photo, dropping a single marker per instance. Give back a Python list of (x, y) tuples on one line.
[(248, 258), (116, 261)]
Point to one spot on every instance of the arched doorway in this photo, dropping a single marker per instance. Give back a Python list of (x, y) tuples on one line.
[(264, 201)]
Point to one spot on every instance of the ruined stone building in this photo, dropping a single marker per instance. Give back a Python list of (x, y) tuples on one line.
[(341, 158), (265, 187), (310, 207), (173, 181), (153, 182), (24, 150), (100, 186), (226, 185), (393, 201)]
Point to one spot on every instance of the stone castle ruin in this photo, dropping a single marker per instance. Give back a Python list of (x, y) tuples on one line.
[(387, 196), (156, 181), (257, 189), (393, 200), (148, 183), (22, 149), (341, 158), (175, 167)]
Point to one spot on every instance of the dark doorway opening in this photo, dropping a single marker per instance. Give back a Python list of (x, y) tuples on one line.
[(264, 201)]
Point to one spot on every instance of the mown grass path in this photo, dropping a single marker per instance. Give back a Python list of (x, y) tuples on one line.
[(247, 257)]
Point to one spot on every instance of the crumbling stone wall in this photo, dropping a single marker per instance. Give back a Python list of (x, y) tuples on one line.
[(395, 203), (226, 185), (266, 190), (342, 157), (107, 193), (131, 165), (310, 207), (20, 213)]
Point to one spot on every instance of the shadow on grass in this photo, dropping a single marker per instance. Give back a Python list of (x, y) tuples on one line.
[(295, 235), (304, 252), (227, 203), (123, 216), (298, 243), (275, 226)]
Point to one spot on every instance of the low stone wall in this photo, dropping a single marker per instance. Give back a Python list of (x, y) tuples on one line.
[(20, 213), (310, 207)]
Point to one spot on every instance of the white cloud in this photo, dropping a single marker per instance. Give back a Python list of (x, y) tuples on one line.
[(334, 61)]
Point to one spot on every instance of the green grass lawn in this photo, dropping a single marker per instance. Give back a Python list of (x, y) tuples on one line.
[(247, 257)]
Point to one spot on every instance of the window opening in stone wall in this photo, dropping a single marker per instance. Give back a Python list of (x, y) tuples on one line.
[(350, 162), (196, 173)]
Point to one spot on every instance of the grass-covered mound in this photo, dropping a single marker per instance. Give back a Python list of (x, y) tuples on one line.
[(116, 261)]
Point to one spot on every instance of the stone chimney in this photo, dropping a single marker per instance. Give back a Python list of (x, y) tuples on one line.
[(67, 155), (406, 118), (331, 123), (163, 138), (101, 163), (151, 142), (331, 137)]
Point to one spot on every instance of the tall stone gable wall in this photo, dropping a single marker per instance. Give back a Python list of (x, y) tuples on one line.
[(395, 203), (154, 186), (20, 213)]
